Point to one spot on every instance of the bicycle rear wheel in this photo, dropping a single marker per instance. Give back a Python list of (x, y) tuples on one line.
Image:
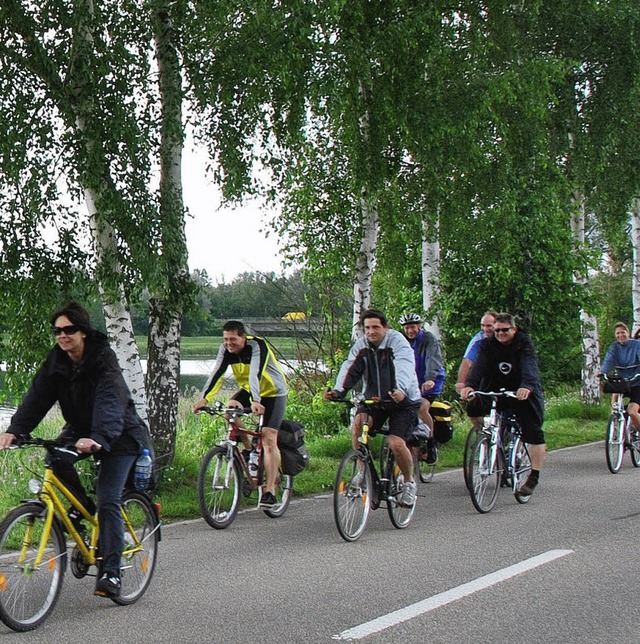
[(138, 564), (352, 495), (466, 459), (484, 479), (634, 447), (28, 593), (284, 487), (219, 484), (520, 468), (400, 515), (615, 443), (424, 471)]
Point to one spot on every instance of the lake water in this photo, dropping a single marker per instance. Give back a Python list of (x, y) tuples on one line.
[(193, 375)]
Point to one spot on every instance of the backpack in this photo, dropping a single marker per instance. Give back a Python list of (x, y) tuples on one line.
[(442, 426), (293, 451)]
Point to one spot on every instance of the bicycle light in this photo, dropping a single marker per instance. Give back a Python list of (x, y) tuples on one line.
[(35, 486)]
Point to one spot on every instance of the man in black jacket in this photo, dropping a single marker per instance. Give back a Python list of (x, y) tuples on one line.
[(81, 373), (508, 361)]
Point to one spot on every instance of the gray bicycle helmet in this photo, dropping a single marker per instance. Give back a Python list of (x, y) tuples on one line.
[(410, 318)]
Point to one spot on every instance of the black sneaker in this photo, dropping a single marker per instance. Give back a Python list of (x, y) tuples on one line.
[(245, 454), (432, 452), (268, 500), (109, 585), (528, 487), (76, 518)]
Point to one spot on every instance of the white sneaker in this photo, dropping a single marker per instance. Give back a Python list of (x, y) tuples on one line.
[(408, 493)]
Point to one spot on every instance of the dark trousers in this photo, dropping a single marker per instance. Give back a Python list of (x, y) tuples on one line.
[(112, 477)]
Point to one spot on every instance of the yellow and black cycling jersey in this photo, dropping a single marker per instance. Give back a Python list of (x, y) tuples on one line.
[(255, 369)]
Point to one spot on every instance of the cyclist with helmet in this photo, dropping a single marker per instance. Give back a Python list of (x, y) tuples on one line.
[(429, 370)]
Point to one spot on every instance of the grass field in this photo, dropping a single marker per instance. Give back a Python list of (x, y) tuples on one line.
[(207, 346)]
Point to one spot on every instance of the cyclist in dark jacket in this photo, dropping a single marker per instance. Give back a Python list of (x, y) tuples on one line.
[(81, 374), (508, 361)]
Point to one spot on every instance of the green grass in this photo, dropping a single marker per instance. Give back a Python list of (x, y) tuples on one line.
[(568, 423), (207, 346)]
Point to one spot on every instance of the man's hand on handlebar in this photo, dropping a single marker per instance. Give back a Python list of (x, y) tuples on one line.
[(6, 440), (465, 392)]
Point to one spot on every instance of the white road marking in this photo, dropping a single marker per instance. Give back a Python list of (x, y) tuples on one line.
[(422, 607)]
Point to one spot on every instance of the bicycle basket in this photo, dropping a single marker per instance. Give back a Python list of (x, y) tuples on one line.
[(616, 386)]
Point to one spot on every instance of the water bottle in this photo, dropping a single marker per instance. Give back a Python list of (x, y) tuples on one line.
[(253, 463), (142, 475)]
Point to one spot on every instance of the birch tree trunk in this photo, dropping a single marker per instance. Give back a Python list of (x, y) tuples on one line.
[(430, 268), (166, 305), (635, 279), (116, 314), (365, 262), (589, 324), (117, 317)]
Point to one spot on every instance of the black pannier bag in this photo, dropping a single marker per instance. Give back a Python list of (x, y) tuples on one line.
[(293, 451), (442, 425)]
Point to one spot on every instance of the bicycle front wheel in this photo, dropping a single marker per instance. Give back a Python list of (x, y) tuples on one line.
[(466, 459), (400, 515), (520, 468), (352, 495), (219, 483), (615, 443), (484, 475), (29, 590), (284, 488), (141, 537)]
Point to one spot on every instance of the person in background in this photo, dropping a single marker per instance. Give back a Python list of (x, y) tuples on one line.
[(430, 371), (81, 374), (623, 357)]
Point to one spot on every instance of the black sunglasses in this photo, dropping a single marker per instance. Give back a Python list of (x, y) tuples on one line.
[(504, 329), (67, 330)]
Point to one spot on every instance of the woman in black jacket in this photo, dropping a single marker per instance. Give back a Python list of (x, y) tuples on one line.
[(81, 374)]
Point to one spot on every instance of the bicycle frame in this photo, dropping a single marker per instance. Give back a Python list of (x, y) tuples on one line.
[(231, 440), (499, 456)]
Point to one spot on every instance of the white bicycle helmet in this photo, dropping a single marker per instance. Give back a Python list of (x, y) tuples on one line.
[(410, 318)]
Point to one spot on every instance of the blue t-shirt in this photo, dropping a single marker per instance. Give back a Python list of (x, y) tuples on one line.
[(471, 352)]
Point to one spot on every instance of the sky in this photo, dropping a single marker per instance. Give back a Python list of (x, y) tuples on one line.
[(224, 241)]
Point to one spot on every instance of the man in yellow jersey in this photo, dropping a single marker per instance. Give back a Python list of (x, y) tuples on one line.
[(263, 387)]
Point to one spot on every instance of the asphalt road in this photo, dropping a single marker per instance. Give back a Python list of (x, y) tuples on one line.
[(559, 569)]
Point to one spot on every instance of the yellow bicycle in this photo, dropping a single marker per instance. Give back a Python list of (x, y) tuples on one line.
[(33, 546)]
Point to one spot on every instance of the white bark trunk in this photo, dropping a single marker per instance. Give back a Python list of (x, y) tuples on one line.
[(117, 316), (365, 263), (635, 279), (430, 269), (589, 324)]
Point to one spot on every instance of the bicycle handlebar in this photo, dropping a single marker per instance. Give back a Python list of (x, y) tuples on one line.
[(620, 378), (48, 444), (502, 393), (219, 408), (361, 400)]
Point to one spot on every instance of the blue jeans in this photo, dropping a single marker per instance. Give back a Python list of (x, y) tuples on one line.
[(112, 477)]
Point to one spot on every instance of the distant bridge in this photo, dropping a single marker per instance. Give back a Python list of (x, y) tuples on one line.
[(281, 327)]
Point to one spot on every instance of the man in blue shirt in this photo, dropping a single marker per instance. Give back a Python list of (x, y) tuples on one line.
[(429, 370)]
